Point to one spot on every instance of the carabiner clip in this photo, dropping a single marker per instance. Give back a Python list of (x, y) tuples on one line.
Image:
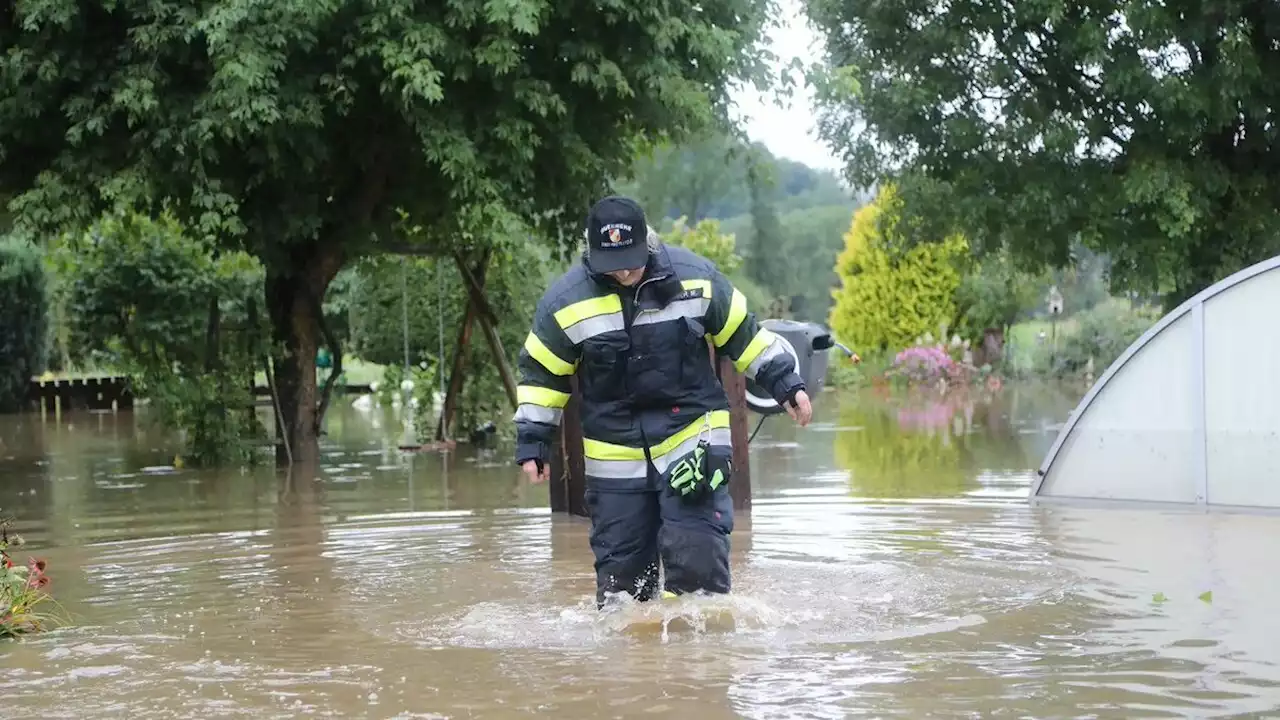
[(705, 430)]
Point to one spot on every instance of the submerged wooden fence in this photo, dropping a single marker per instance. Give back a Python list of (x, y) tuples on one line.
[(109, 393), (69, 394)]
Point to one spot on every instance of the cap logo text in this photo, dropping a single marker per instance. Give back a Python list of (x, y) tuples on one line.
[(614, 237)]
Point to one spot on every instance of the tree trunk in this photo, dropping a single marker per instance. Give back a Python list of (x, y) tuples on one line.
[(294, 291), (991, 351), (458, 374)]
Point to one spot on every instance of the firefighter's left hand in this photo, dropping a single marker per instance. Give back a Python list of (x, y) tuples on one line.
[(802, 413)]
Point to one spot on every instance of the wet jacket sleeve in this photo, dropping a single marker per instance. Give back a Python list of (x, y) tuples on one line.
[(546, 363), (756, 352)]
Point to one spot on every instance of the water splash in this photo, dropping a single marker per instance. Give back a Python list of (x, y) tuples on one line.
[(696, 613), (494, 624)]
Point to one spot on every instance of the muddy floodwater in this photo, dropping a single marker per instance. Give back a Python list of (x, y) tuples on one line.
[(889, 567)]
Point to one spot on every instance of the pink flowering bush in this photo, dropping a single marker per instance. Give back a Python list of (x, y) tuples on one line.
[(930, 364), (922, 364)]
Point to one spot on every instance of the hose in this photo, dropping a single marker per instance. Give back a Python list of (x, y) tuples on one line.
[(847, 351)]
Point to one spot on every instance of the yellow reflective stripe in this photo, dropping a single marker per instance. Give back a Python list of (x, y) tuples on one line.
[(758, 344), (579, 311), (719, 419), (737, 313), (546, 397), (600, 450), (549, 360), (703, 285)]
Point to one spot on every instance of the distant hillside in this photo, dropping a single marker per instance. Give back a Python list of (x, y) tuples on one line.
[(710, 179)]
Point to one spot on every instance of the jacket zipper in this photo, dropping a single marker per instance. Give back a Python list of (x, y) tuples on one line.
[(628, 319)]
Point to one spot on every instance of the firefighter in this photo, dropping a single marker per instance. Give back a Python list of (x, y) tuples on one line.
[(632, 320)]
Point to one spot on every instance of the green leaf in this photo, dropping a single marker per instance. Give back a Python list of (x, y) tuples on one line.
[(1034, 125), (293, 130)]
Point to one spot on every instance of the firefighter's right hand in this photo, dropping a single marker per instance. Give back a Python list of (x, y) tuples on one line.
[(531, 472)]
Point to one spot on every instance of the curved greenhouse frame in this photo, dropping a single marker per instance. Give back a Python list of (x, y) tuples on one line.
[(1189, 414)]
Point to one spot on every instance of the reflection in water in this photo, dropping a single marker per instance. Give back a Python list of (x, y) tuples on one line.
[(890, 566), (932, 446)]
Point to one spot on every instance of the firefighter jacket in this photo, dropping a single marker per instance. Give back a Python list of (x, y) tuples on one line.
[(648, 388)]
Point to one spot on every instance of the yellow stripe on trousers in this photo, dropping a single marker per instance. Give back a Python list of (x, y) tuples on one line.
[(608, 460)]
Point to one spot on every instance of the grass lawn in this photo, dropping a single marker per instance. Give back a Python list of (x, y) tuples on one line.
[(360, 372), (354, 372), (1026, 350), (1026, 333)]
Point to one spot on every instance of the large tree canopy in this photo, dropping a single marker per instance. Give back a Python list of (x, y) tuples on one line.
[(1146, 129), (294, 128)]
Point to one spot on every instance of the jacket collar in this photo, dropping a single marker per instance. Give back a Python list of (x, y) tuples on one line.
[(660, 282)]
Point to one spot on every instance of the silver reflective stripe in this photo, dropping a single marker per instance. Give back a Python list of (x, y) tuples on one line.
[(593, 326), (528, 412), (715, 436), (616, 469), (771, 352), (691, 308)]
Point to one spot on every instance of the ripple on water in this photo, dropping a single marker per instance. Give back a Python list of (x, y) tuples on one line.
[(786, 592), (359, 604)]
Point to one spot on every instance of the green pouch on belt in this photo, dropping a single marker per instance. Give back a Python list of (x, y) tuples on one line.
[(694, 477)]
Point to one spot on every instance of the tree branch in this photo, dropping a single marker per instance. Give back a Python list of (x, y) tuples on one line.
[(488, 324), (484, 309)]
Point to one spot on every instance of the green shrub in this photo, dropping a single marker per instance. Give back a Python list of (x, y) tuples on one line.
[(60, 261), (706, 239), (377, 317), (1104, 332), (889, 296), (150, 300), (994, 294), (24, 319)]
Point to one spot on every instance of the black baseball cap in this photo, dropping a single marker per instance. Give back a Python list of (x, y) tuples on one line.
[(617, 235)]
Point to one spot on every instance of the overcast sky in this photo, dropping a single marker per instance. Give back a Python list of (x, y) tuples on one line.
[(789, 132)]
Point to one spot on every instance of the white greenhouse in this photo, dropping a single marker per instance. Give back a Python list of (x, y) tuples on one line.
[(1189, 414)]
